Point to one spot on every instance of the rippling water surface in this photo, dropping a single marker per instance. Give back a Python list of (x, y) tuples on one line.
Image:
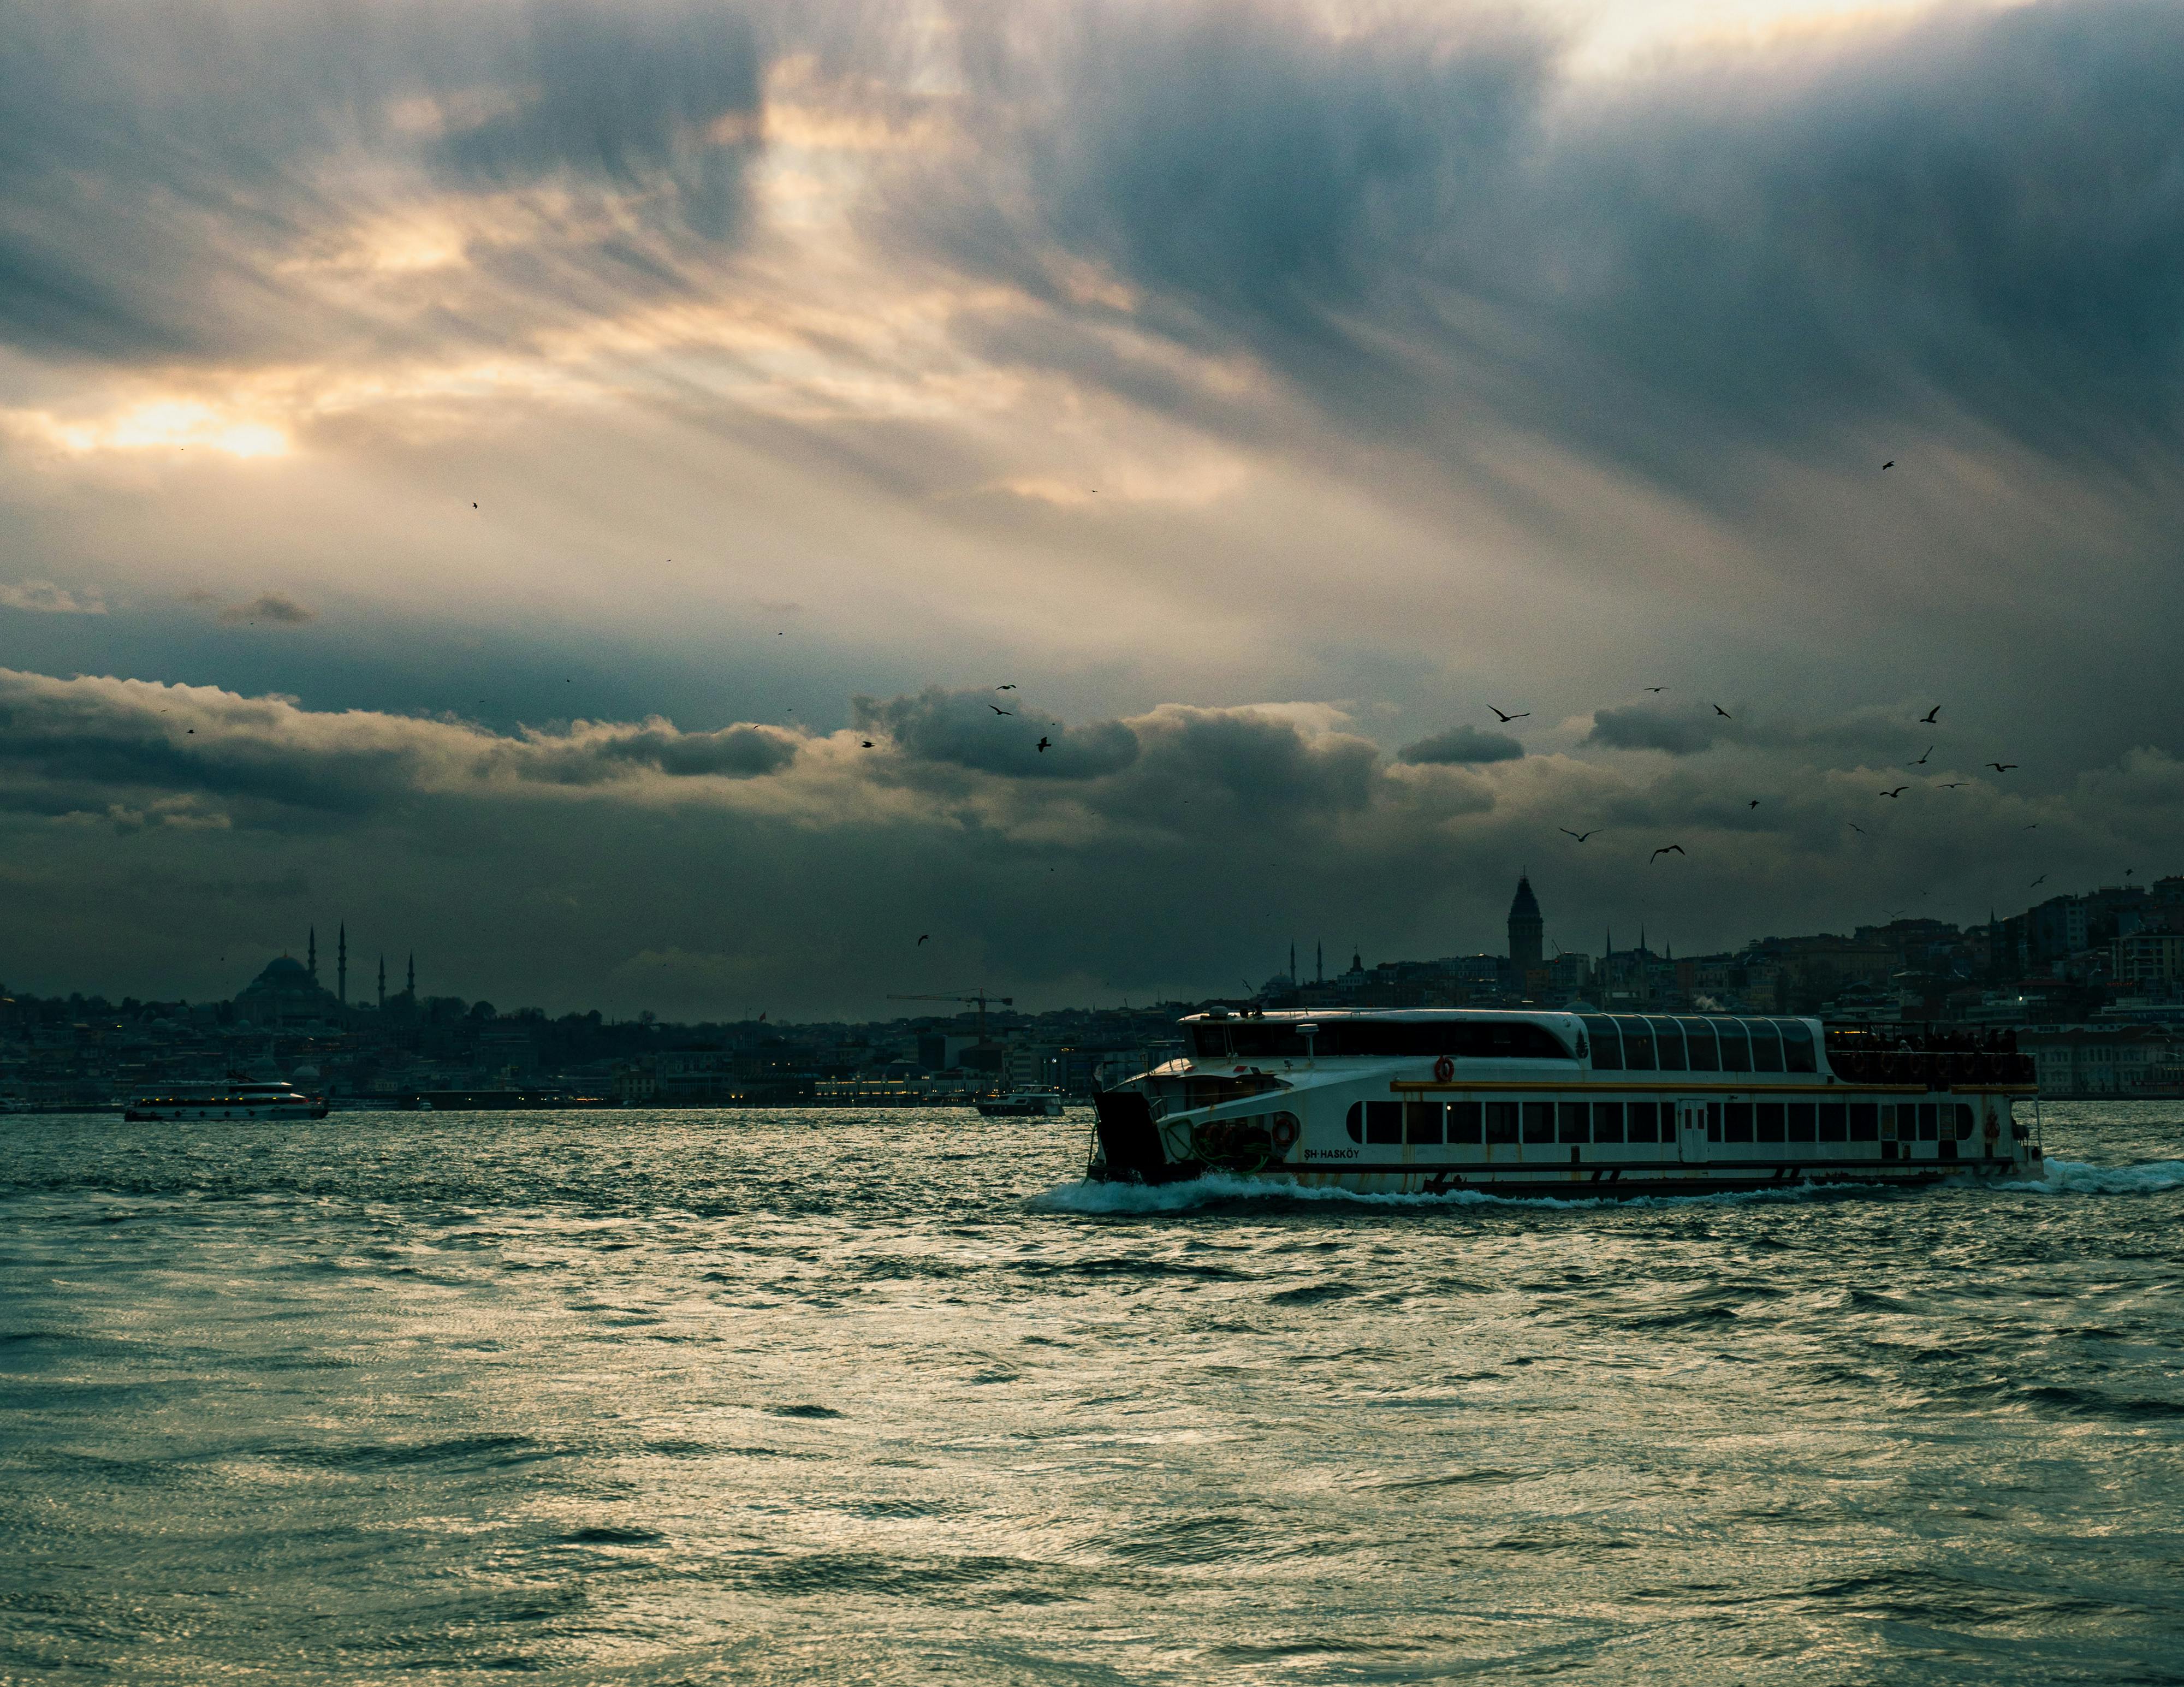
[(783, 1397)]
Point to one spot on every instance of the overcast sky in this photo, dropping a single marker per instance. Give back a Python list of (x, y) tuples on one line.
[(558, 485)]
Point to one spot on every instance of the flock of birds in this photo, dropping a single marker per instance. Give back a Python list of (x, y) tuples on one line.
[(1929, 718)]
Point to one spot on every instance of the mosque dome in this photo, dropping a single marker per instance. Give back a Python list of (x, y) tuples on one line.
[(285, 993), (306, 1074)]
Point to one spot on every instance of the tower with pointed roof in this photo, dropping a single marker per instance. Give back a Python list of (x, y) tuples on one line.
[(341, 968), (1526, 930)]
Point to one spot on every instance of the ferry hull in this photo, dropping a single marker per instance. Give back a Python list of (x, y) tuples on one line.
[(1605, 1183), (144, 1115)]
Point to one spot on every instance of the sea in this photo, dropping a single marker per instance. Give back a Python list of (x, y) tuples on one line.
[(759, 1397)]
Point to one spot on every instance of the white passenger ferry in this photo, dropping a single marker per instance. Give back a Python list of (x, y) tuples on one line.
[(234, 1098), (1569, 1105)]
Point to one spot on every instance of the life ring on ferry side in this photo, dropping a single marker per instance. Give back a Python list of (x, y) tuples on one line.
[(1444, 1070), (1284, 1135)]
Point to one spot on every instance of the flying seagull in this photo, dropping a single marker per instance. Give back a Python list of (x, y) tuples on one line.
[(1522, 715), (926, 937), (1666, 849), (1723, 712), (1858, 829), (2034, 826), (2001, 767), (2037, 883), (1927, 719), (1921, 762), (869, 743), (1580, 836), (998, 709), (1953, 785), (1897, 792), (1657, 687), (1004, 688), (1042, 744), (1889, 464), (1753, 804)]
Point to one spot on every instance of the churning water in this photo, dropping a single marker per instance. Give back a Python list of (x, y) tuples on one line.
[(850, 1397)]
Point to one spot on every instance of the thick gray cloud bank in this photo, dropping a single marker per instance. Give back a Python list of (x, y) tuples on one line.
[(150, 829), (1462, 746)]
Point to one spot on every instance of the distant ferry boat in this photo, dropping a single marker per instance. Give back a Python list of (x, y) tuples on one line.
[(1022, 1103), (1568, 1104), (234, 1098)]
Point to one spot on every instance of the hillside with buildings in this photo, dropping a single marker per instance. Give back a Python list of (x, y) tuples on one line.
[(2091, 985)]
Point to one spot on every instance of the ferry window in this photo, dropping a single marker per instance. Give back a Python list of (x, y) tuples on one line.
[(1643, 1116), (1803, 1117), (1383, 1121), (1713, 1121), (1209, 1041), (1608, 1122), (1421, 1122), (1574, 1122), (1766, 1045), (1266, 1040), (1607, 1042), (1735, 1049), (1864, 1121), (1964, 1122), (1463, 1039), (1704, 1053), (1500, 1121), (1767, 1125), (1833, 1121), (1538, 1122), (1736, 1122), (1637, 1043), (1354, 1121), (1463, 1121), (1796, 1045), (1930, 1121), (1668, 1044)]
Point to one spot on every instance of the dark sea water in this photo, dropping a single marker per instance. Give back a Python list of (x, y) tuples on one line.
[(894, 1398)]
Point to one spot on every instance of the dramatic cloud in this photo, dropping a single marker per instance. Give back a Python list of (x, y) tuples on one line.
[(529, 864), (1462, 747), (1638, 727), (794, 374), (267, 606), (43, 597)]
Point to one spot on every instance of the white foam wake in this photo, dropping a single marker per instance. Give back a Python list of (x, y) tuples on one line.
[(2076, 1178), (1217, 1187)]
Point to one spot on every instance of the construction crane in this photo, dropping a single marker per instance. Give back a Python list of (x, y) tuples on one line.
[(978, 996)]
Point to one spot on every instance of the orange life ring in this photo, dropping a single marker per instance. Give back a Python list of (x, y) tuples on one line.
[(1444, 1070), (1284, 1132)]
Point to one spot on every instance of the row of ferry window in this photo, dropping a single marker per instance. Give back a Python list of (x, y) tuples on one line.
[(1392, 1123), (1632, 1042)]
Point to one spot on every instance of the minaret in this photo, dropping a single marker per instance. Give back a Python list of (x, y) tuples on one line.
[(382, 983), (1320, 963), (1293, 977), (313, 963), (1526, 930), (413, 976), (341, 968)]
